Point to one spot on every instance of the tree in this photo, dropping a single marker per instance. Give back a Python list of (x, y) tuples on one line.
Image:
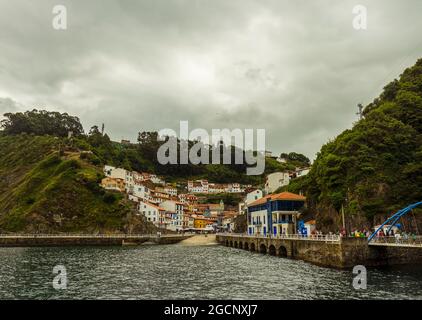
[(41, 123)]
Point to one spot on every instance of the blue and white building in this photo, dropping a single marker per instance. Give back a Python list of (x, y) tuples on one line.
[(275, 214)]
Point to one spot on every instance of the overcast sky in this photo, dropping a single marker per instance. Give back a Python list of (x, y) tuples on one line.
[(294, 68)]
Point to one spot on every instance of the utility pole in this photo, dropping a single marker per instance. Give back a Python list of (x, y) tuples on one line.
[(360, 113)]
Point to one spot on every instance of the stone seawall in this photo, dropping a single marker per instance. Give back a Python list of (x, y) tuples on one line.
[(59, 241), (343, 253), (391, 255)]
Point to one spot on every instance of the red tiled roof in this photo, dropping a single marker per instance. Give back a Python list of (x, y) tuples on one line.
[(279, 196)]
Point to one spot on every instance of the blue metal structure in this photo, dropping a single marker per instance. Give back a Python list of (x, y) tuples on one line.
[(394, 218)]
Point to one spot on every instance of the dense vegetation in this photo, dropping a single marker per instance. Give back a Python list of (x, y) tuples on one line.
[(44, 188), (41, 123), (141, 156), (375, 167), (296, 159)]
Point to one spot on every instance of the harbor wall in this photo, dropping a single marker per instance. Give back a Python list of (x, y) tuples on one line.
[(59, 241), (345, 253)]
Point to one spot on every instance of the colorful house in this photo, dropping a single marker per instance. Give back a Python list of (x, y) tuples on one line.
[(274, 214)]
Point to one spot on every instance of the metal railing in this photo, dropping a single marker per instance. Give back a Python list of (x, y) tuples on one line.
[(406, 240), (90, 236), (319, 237)]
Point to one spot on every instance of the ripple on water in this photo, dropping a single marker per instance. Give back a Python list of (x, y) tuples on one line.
[(188, 272)]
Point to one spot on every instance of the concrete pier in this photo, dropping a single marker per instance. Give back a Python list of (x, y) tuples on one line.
[(327, 251)]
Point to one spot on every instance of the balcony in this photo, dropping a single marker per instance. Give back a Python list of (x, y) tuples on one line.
[(283, 221)]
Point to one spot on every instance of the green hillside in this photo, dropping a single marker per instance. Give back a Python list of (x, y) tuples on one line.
[(45, 190), (375, 167)]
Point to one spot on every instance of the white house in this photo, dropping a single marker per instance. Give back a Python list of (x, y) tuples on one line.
[(178, 221), (300, 172), (141, 191), (155, 179), (216, 188), (281, 160), (198, 186), (151, 212), (276, 180), (253, 196), (249, 198), (234, 188), (310, 226), (171, 190), (133, 198), (116, 173), (119, 173), (227, 223)]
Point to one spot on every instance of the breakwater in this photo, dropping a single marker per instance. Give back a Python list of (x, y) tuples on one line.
[(45, 240)]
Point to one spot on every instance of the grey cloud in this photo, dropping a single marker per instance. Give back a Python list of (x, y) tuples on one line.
[(297, 69), (8, 105)]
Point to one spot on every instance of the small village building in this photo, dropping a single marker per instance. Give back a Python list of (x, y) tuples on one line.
[(276, 180), (250, 197), (310, 227), (275, 214), (114, 184), (171, 191), (178, 220), (301, 172), (151, 212)]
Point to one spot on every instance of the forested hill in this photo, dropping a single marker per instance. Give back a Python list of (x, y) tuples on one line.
[(140, 155), (50, 183), (45, 188), (375, 167)]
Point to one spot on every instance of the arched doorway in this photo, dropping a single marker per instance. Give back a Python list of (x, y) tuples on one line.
[(282, 251), (240, 245), (252, 246), (246, 246), (235, 244), (271, 250), (262, 248)]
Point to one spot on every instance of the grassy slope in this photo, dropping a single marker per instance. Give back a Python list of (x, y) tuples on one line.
[(374, 168), (42, 192)]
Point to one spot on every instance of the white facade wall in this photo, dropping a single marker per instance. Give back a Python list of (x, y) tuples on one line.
[(113, 172), (302, 172), (259, 221), (276, 180), (171, 191), (178, 217), (150, 212), (141, 191), (253, 196)]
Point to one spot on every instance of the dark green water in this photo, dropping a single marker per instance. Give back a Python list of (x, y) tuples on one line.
[(188, 272)]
